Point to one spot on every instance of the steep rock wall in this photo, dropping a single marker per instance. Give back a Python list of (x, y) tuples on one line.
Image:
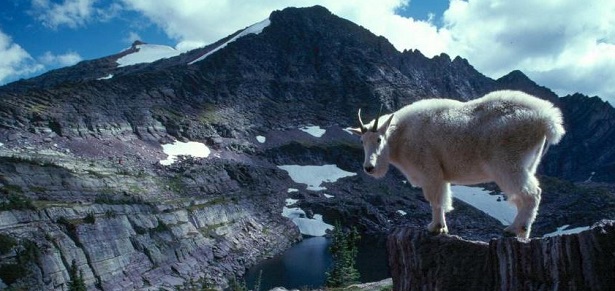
[(583, 261)]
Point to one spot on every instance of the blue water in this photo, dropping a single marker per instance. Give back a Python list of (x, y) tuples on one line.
[(304, 265)]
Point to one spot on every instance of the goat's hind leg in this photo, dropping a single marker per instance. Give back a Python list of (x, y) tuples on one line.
[(439, 197), (526, 196)]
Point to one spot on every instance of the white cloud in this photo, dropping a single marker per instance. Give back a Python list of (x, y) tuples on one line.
[(568, 46), (132, 37), (63, 60), (72, 13), (15, 61)]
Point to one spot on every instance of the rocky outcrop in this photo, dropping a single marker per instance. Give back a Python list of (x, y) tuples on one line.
[(136, 247), (132, 225), (583, 261)]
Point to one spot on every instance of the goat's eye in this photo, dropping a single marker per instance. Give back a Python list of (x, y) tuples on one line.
[(379, 140)]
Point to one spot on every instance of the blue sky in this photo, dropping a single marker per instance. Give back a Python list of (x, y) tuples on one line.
[(566, 45)]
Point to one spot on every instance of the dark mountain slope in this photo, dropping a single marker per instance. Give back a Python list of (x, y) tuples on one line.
[(307, 67)]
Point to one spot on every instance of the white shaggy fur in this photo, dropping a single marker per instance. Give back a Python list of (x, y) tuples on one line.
[(499, 137)]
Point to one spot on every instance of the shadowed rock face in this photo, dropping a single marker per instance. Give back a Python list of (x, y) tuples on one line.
[(583, 261)]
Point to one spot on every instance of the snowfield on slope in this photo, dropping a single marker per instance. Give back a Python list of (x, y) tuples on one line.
[(314, 176), (147, 53), (255, 28), (312, 227), (315, 131), (178, 148)]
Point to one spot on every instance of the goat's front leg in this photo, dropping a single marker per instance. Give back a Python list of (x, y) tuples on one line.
[(439, 197)]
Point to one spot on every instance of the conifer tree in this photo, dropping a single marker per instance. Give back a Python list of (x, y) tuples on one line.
[(344, 251), (76, 282)]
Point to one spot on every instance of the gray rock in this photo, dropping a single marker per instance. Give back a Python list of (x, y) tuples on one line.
[(583, 261)]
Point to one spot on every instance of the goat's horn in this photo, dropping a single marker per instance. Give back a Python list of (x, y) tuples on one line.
[(363, 128), (375, 128)]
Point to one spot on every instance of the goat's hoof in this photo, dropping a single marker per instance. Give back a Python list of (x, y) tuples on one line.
[(436, 229), (523, 234)]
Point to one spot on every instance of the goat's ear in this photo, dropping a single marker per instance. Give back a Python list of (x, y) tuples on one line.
[(383, 128), (355, 130)]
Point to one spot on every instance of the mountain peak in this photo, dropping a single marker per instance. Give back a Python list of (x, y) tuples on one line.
[(517, 76), (137, 43), (517, 80)]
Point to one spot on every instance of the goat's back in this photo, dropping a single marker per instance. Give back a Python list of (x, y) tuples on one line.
[(501, 121)]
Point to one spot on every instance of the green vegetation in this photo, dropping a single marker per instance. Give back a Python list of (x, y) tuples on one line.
[(90, 218), (161, 227), (10, 273), (32, 160), (6, 243), (209, 114), (344, 251), (38, 189), (202, 284), (39, 108), (139, 230), (27, 253), (215, 201), (76, 282), (71, 229), (209, 230), (236, 285), (176, 185), (107, 197), (110, 213), (13, 198)]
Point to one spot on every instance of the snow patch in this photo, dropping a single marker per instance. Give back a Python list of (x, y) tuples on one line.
[(313, 130), (311, 227), (564, 230), (107, 77), (255, 28), (401, 212), (290, 201), (178, 148), (314, 176), (328, 196), (1, 144), (261, 139), (291, 190), (147, 53), (489, 204)]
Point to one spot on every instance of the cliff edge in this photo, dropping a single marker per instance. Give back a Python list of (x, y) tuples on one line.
[(583, 261)]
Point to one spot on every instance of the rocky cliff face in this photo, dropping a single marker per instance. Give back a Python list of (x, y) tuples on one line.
[(583, 261), (136, 228), (80, 176)]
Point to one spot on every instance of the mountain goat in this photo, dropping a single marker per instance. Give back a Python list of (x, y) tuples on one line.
[(499, 137)]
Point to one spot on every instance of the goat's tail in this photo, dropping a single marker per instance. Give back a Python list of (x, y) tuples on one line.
[(554, 123)]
